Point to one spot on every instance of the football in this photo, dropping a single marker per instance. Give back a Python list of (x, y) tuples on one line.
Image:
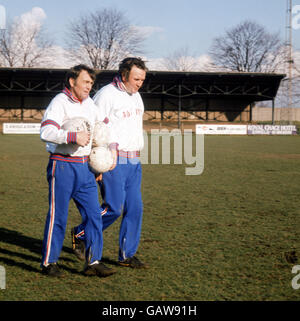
[(100, 135), (76, 124), (100, 159)]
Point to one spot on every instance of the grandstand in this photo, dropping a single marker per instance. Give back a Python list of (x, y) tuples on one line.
[(169, 97)]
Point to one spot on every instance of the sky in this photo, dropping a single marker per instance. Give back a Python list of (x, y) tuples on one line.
[(170, 24)]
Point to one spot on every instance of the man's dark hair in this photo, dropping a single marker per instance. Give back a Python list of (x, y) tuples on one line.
[(75, 71), (126, 65)]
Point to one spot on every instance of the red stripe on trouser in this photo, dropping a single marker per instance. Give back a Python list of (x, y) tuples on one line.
[(104, 211), (52, 215), (80, 234)]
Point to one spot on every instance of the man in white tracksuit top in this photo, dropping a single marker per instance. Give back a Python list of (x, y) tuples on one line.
[(120, 187), (68, 172)]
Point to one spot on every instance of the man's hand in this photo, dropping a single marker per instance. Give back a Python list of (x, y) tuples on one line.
[(98, 177), (115, 159), (83, 138)]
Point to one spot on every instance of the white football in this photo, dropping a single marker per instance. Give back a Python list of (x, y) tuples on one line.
[(76, 124), (100, 159), (100, 134)]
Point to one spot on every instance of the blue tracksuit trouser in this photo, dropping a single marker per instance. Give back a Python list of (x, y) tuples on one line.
[(71, 179), (121, 194)]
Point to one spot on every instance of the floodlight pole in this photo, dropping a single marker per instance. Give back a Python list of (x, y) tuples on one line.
[(290, 59), (289, 55)]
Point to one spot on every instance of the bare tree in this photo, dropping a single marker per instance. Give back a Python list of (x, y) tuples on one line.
[(102, 38), (24, 43), (248, 47), (180, 60)]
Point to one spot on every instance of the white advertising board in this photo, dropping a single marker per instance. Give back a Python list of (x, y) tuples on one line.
[(207, 129), (21, 128), (272, 130)]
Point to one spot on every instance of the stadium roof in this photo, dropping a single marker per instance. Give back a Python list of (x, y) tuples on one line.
[(48, 82)]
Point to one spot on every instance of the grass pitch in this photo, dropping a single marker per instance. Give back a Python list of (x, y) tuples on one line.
[(231, 233)]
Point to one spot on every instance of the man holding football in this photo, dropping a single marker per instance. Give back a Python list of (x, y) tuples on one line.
[(120, 187), (69, 175)]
